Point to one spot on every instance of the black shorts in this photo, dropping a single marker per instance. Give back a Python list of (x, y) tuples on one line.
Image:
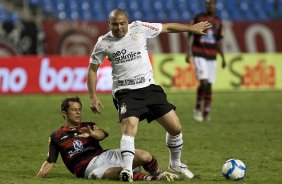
[(145, 103)]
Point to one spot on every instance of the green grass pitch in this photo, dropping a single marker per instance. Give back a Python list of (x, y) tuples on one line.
[(245, 125)]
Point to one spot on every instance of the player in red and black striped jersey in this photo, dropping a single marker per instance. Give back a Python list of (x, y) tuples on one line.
[(202, 51), (78, 144), (75, 151)]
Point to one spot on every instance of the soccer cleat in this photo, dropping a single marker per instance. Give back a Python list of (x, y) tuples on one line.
[(181, 169), (167, 176), (198, 116), (126, 175)]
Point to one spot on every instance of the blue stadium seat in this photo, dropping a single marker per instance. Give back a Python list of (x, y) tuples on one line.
[(271, 8), (170, 5), (8, 15), (159, 10), (109, 6), (148, 15), (86, 15), (60, 6), (61, 15), (136, 15), (194, 7), (134, 5), (97, 6), (182, 5), (3, 15), (224, 14), (85, 4), (161, 16), (145, 5), (47, 6), (174, 15), (280, 8), (122, 4), (186, 16), (34, 2), (158, 5), (13, 16)]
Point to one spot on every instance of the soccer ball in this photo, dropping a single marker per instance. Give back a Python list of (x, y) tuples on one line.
[(234, 169)]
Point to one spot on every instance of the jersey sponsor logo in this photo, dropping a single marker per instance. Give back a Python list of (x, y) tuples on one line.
[(132, 81), (123, 57), (78, 146)]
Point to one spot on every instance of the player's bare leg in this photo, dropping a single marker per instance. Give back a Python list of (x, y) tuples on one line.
[(207, 102), (203, 100), (197, 111)]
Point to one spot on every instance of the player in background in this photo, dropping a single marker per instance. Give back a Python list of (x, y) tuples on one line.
[(135, 93), (202, 51), (78, 144)]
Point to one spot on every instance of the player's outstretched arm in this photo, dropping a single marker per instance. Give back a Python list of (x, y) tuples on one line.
[(45, 169), (198, 28), (95, 103)]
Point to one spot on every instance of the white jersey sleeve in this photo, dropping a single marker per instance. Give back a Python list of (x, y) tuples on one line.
[(97, 56)]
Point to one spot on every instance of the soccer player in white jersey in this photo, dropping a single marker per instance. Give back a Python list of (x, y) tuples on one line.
[(135, 94)]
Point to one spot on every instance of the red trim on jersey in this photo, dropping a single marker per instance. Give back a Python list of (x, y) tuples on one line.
[(204, 51), (150, 27)]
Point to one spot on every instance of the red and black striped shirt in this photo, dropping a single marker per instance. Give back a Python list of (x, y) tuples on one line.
[(206, 45), (76, 152)]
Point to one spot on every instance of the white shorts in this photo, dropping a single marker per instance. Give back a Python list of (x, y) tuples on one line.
[(205, 69), (99, 164)]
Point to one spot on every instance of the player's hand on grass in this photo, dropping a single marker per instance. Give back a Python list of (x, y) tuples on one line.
[(96, 105), (200, 27)]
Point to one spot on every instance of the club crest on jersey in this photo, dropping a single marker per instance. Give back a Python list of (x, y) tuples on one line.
[(134, 35), (123, 109), (78, 146)]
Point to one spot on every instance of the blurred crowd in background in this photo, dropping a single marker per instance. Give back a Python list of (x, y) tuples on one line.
[(24, 24)]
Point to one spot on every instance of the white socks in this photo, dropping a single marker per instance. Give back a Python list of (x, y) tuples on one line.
[(127, 149), (174, 144)]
